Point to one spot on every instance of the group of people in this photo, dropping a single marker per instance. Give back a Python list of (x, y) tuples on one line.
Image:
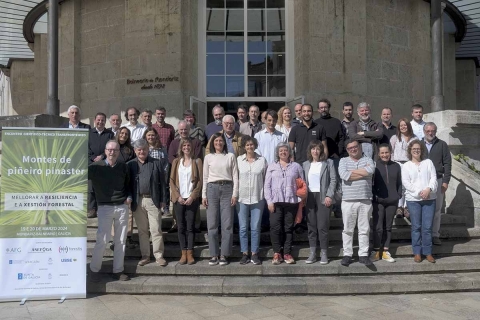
[(278, 172)]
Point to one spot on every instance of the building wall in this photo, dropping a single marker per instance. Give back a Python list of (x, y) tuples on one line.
[(355, 50), (449, 71), (22, 81), (466, 77)]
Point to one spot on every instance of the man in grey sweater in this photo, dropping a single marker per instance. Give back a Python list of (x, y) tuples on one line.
[(356, 173)]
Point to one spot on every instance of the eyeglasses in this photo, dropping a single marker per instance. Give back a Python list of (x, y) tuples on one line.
[(112, 150), (352, 148)]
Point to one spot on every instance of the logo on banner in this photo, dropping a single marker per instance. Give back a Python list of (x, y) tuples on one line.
[(15, 261), (27, 276), (68, 260), (50, 261), (66, 249), (40, 250), (49, 276), (13, 250)]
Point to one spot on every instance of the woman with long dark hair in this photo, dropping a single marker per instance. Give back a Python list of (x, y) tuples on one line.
[(186, 182), (219, 196), (124, 140)]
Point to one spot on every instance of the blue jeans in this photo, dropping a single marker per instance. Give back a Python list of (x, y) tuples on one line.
[(421, 216), (255, 212)]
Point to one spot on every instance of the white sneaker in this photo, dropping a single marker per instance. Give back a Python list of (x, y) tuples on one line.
[(387, 256)]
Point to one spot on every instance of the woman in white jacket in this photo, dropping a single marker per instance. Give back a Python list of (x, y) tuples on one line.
[(419, 179)]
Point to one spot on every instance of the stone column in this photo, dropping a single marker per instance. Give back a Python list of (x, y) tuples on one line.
[(53, 105), (437, 100)]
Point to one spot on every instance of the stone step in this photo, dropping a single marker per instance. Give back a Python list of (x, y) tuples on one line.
[(302, 250), (446, 219), (403, 265), (399, 233), (313, 285)]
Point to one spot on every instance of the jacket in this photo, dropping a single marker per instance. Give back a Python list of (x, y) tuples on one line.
[(373, 135), (81, 125), (328, 179), (442, 160), (236, 141), (387, 182), (197, 180), (97, 143), (157, 182)]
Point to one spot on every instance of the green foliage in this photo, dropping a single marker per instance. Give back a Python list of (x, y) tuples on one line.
[(461, 157)]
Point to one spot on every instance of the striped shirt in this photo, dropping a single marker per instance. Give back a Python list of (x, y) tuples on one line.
[(251, 177), (359, 189)]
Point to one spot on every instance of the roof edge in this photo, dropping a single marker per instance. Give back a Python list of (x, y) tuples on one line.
[(457, 18), (32, 17)]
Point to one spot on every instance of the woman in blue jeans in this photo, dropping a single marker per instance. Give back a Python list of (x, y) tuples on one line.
[(420, 181), (251, 176)]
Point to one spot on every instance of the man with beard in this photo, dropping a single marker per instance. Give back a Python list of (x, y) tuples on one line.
[(335, 142), (347, 111), (303, 133), (166, 132), (366, 131), (333, 130), (213, 127), (439, 153), (417, 121), (115, 123)]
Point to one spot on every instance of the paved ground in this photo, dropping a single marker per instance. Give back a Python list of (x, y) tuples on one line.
[(412, 306)]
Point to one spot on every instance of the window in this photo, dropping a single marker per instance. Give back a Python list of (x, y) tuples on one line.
[(245, 48)]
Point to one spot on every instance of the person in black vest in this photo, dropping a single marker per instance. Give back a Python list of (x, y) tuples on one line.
[(389, 129), (97, 140), (74, 122)]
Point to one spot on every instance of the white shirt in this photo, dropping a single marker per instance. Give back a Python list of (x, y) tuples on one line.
[(267, 142), (251, 177), (136, 131), (284, 129), (185, 180), (416, 178), (314, 176), (418, 129)]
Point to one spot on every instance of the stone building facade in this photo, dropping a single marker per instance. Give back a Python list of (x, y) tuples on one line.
[(114, 54)]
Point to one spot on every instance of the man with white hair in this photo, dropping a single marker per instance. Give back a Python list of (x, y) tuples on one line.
[(366, 131), (115, 123), (74, 122), (183, 129), (233, 138)]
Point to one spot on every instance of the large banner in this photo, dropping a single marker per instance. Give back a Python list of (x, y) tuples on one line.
[(43, 220)]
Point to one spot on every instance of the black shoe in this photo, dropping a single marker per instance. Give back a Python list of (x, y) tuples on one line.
[(95, 276), (255, 260), (245, 259), (365, 260), (223, 261), (346, 261), (92, 213), (130, 244), (120, 276), (213, 261)]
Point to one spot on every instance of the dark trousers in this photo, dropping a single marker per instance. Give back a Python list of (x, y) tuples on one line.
[(281, 226), (186, 223), (91, 199), (383, 215), (318, 221)]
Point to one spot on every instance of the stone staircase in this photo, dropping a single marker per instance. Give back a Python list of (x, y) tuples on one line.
[(457, 267)]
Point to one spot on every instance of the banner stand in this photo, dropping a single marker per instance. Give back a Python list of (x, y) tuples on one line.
[(43, 214)]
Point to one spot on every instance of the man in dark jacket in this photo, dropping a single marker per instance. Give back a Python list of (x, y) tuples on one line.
[(439, 153), (147, 192), (97, 140), (388, 128), (333, 131), (110, 180), (366, 131), (74, 122)]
